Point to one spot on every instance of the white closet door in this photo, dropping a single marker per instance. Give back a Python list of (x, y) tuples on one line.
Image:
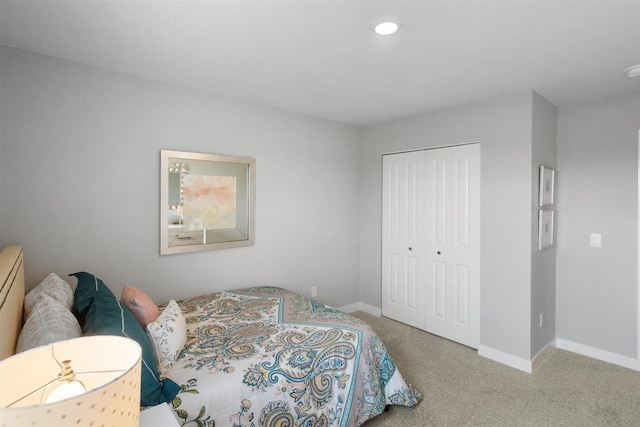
[(403, 291), (431, 241), (453, 243)]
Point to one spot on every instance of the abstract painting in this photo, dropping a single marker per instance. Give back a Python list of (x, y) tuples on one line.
[(209, 202)]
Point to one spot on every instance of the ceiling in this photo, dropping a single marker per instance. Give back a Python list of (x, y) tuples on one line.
[(321, 58)]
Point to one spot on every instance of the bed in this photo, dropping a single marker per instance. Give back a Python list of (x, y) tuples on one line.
[(260, 356)]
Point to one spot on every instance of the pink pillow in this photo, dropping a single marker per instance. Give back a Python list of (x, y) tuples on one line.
[(140, 304)]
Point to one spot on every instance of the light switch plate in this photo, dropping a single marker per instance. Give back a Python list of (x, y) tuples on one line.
[(595, 240)]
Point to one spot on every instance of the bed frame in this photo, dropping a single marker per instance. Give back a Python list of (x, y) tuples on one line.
[(11, 298)]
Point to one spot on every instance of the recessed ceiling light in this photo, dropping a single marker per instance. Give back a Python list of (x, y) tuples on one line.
[(386, 25), (633, 71)]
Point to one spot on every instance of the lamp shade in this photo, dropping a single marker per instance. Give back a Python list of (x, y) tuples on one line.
[(108, 368)]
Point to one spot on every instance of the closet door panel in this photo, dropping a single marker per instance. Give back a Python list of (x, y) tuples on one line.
[(402, 241), (453, 242)]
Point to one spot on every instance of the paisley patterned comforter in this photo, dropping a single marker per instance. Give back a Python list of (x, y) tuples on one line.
[(268, 357)]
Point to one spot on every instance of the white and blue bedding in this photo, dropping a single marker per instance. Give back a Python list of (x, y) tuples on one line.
[(268, 357)]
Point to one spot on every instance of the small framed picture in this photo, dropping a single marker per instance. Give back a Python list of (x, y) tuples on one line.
[(545, 229), (547, 183)]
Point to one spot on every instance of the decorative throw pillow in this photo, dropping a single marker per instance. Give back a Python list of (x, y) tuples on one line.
[(140, 304), (49, 321), (89, 287), (103, 314), (53, 286), (169, 335)]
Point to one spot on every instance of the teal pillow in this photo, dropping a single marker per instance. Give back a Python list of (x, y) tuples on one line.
[(103, 314), (89, 287)]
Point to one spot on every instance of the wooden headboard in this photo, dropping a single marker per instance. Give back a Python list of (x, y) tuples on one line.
[(11, 298)]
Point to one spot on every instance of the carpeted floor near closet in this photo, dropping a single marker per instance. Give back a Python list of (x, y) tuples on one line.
[(461, 388)]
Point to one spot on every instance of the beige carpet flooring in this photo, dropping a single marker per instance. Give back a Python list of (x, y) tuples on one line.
[(461, 388)]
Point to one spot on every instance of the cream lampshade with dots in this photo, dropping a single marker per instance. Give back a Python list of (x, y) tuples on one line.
[(89, 381)]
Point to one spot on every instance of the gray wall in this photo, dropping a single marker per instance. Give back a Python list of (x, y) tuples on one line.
[(598, 193), (503, 126), (80, 182), (79, 174), (543, 263)]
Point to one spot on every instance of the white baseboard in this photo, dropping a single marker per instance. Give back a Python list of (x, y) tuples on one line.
[(596, 353), (508, 359), (543, 354), (375, 311), (505, 358), (523, 364)]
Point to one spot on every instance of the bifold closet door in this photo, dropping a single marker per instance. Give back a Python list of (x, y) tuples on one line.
[(403, 233), (431, 241), (453, 243)]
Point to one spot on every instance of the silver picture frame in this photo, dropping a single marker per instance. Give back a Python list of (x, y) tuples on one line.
[(207, 201), (547, 186), (545, 228)]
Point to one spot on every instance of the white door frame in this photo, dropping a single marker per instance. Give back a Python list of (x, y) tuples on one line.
[(637, 367)]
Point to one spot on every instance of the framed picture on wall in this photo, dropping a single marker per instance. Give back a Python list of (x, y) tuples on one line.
[(545, 229), (207, 201), (547, 184)]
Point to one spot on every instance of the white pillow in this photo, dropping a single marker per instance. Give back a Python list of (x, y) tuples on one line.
[(50, 321), (53, 286), (168, 335)]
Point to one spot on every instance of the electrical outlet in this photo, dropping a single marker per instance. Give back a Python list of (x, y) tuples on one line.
[(541, 319), (314, 291)]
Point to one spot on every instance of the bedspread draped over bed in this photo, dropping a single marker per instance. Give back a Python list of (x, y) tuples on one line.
[(268, 357)]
